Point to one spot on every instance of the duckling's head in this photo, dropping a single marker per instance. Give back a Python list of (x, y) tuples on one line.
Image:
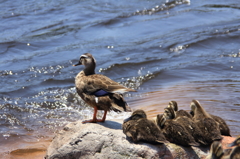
[(173, 104), (194, 105), (169, 113), (161, 120), (137, 114), (216, 150), (197, 108), (88, 61)]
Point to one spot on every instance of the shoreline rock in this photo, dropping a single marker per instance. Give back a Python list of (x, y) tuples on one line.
[(107, 140)]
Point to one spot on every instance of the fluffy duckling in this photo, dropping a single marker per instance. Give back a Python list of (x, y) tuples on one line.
[(99, 91), (188, 123), (235, 153), (139, 128), (224, 129), (205, 122), (178, 113), (217, 152), (158, 119), (175, 132)]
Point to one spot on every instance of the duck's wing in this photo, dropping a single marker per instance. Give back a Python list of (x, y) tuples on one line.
[(100, 85)]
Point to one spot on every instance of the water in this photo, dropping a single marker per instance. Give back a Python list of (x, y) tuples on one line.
[(177, 50)]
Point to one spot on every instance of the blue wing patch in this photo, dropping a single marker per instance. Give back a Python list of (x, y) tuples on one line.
[(100, 93)]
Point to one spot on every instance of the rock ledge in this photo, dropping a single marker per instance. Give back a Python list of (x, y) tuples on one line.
[(106, 140)]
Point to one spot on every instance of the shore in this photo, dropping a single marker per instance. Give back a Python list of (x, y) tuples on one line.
[(152, 102)]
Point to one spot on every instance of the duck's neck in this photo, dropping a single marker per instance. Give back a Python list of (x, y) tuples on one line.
[(89, 70)]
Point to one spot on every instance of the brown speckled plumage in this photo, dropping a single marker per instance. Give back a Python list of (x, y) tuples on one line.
[(178, 113), (174, 131), (139, 128), (205, 122), (224, 129), (99, 91), (217, 152), (184, 119)]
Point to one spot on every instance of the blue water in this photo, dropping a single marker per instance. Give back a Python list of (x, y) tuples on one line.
[(176, 50)]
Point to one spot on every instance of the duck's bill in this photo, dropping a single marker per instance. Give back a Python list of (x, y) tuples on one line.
[(78, 64)]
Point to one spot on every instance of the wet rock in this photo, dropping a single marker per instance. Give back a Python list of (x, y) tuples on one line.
[(106, 140)]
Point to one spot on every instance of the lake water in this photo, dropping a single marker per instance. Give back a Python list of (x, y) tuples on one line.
[(166, 50)]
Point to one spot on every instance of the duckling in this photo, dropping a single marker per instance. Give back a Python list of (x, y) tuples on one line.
[(139, 128), (99, 91), (205, 122), (188, 123), (181, 112), (175, 132), (235, 153), (216, 151), (158, 119), (224, 129)]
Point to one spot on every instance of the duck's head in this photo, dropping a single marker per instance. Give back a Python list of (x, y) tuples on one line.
[(161, 120), (194, 105), (88, 61), (216, 150), (169, 113), (137, 114), (173, 104)]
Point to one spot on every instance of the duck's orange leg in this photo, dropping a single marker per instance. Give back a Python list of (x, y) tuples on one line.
[(95, 120), (104, 116)]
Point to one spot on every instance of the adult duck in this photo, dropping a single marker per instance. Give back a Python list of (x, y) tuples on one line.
[(99, 91)]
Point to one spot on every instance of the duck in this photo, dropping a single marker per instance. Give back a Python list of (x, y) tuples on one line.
[(138, 128), (235, 153), (174, 131), (99, 91), (188, 123), (205, 122), (217, 152), (157, 119), (178, 113), (224, 129)]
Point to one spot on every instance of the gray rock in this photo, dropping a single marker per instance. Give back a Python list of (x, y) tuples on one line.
[(106, 140)]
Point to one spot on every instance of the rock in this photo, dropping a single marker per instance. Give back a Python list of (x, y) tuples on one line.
[(106, 140)]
